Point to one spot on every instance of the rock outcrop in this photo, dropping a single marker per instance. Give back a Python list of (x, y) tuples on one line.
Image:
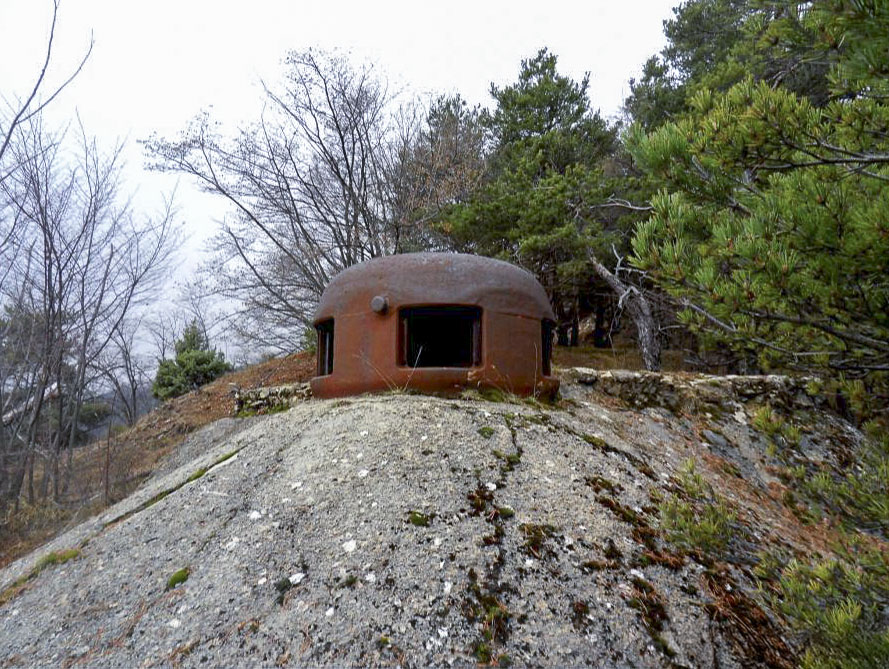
[(416, 531)]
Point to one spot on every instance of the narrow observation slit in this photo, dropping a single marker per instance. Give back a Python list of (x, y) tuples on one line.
[(440, 336), (325, 347), (547, 333)]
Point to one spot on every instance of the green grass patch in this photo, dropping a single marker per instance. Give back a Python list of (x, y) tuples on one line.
[(600, 483), (56, 557), (598, 442), (196, 475), (223, 458), (48, 560), (161, 495), (489, 395), (510, 460), (420, 519)]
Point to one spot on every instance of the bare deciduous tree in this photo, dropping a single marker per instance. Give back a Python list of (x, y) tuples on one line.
[(437, 160), (308, 185), (126, 371), (16, 110), (77, 263), (19, 110)]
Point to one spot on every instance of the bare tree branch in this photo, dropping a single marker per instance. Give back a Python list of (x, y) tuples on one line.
[(26, 109), (309, 185)]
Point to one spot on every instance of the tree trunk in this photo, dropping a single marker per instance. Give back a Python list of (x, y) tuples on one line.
[(575, 323), (107, 472), (640, 311), (30, 463), (18, 478), (601, 336)]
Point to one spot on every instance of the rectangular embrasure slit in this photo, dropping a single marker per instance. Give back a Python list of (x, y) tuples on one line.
[(325, 347), (440, 336), (547, 333)]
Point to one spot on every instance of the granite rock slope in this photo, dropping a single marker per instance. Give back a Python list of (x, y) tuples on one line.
[(416, 531)]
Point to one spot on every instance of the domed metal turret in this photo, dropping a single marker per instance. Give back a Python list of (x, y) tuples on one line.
[(434, 322)]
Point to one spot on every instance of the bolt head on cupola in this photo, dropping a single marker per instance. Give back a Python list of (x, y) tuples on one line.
[(379, 304)]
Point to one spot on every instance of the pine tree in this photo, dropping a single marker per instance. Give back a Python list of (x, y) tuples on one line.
[(195, 364), (715, 44), (550, 152), (772, 225)]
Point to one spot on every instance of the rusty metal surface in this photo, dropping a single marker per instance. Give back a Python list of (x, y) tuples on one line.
[(365, 303)]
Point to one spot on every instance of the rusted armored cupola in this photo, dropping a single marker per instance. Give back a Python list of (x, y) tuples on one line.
[(434, 322)]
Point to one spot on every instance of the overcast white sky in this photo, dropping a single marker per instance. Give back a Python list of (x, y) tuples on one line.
[(156, 64)]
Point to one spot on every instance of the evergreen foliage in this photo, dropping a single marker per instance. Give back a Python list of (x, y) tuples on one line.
[(697, 518), (194, 365), (771, 227), (836, 604), (715, 44), (701, 35), (553, 161)]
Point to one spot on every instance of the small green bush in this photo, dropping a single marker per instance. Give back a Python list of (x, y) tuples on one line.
[(707, 528), (838, 606), (697, 519), (859, 496), (195, 364), (767, 421)]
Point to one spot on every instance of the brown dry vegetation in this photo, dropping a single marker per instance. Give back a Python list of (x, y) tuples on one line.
[(622, 355)]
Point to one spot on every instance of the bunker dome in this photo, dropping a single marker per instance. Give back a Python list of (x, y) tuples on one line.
[(434, 322)]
